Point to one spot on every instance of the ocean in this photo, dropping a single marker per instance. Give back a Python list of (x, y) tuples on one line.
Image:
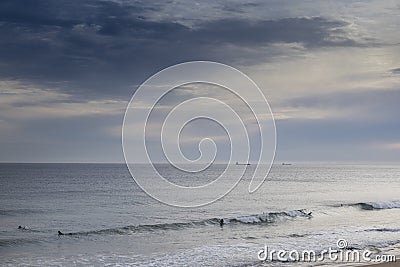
[(108, 220)]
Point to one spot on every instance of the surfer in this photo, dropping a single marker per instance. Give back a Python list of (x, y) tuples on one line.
[(221, 222), (61, 233)]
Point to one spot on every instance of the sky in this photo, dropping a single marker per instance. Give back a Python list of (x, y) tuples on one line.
[(330, 71)]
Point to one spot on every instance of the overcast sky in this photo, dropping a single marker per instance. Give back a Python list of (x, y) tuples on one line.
[(329, 69)]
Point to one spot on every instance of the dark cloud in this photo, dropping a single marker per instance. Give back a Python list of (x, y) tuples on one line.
[(239, 7), (95, 49), (312, 32), (92, 48)]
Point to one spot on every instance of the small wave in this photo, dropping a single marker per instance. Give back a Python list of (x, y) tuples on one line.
[(131, 229), (13, 212), (27, 229), (381, 245), (16, 241), (251, 219), (377, 205), (393, 230), (268, 217), (297, 235)]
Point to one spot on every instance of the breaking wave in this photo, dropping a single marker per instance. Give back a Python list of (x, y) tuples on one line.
[(393, 230), (264, 218), (377, 205)]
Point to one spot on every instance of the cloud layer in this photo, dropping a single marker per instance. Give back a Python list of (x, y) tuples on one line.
[(68, 69)]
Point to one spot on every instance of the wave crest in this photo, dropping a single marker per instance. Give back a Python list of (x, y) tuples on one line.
[(268, 217), (378, 205)]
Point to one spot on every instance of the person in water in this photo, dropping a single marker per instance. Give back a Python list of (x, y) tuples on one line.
[(221, 222), (61, 233), (306, 214)]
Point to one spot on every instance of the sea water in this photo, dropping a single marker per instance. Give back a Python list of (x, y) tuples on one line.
[(108, 219)]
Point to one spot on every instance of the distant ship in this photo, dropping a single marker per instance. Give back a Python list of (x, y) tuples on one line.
[(286, 164), (237, 163)]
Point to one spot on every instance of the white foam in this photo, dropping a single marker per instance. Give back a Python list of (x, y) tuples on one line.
[(385, 204), (249, 219)]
